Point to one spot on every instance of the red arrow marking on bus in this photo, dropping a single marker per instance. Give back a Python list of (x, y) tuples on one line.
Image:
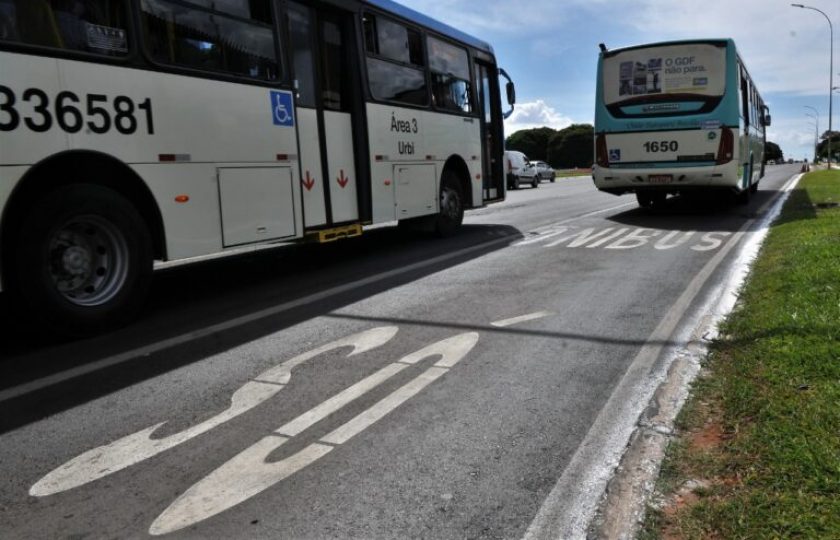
[(342, 180), (309, 183)]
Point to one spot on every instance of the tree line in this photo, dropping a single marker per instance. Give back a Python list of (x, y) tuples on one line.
[(568, 148), (822, 147)]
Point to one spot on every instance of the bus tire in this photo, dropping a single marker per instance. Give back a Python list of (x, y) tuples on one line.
[(650, 199), (84, 260), (644, 199), (451, 214), (743, 197)]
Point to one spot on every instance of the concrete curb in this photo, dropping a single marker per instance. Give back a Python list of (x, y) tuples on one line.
[(622, 508)]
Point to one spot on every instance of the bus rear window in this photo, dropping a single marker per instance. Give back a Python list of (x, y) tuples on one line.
[(92, 27), (653, 73)]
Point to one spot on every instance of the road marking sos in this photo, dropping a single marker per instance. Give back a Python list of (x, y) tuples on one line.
[(250, 473)]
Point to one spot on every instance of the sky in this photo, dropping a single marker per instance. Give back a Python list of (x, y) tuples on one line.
[(550, 50)]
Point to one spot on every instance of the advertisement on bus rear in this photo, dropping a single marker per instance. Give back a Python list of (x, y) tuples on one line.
[(695, 69)]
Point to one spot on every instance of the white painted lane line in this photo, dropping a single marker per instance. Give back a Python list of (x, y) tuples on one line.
[(236, 481), (572, 502), (248, 473), (140, 446), (313, 416), (524, 318)]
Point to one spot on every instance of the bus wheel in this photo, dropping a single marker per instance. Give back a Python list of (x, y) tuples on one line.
[(743, 198), (84, 260), (451, 206), (650, 199)]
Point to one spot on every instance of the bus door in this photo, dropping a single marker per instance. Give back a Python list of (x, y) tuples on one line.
[(492, 173), (326, 84)]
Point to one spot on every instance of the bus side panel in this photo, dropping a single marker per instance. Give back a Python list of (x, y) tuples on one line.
[(194, 228), (206, 120), (175, 131), (401, 135), (338, 131), (32, 132), (312, 178)]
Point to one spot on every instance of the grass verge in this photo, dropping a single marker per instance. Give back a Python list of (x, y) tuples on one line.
[(572, 172), (758, 455)]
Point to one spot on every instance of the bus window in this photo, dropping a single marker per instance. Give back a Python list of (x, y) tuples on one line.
[(210, 41), (394, 41), (334, 82), (93, 27), (745, 100), (300, 35), (395, 73), (451, 88)]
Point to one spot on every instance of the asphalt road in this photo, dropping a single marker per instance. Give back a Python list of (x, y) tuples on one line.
[(490, 373)]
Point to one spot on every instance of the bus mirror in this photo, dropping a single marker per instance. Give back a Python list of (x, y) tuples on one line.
[(765, 113), (510, 89)]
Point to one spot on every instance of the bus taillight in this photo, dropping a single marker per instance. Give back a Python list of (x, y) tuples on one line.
[(726, 149), (601, 156)]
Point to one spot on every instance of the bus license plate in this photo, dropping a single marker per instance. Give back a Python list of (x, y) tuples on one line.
[(660, 178)]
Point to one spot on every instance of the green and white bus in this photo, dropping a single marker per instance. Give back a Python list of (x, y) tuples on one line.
[(674, 117), (136, 131)]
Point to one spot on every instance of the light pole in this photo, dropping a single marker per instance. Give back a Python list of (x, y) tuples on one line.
[(830, 73), (815, 116), (816, 125)]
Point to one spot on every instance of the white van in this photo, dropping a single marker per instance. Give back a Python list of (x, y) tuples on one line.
[(519, 170)]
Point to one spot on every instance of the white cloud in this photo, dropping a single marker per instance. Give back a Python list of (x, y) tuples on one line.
[(794, 136), (786, 49), (533, 115)]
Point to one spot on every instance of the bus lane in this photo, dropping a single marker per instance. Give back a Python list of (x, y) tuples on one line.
[(467, 394)]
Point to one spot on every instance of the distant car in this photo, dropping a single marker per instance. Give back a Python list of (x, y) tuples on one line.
[(771, 162), (519, 170), (544, 171)]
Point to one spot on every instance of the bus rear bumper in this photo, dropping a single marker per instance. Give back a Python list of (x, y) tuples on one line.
[(629, 180)]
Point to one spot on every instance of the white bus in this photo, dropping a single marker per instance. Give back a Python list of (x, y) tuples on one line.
[(677, 117), (160, 130)]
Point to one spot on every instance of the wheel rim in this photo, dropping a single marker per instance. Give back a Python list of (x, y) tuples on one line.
[(450, 203), (88, 260)]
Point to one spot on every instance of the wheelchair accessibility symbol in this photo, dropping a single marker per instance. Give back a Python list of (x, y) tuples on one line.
[(282, 109)]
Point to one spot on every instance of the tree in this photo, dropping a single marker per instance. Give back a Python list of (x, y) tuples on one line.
[(572, 147), (822, 148), (773, 152), (531, 142)]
